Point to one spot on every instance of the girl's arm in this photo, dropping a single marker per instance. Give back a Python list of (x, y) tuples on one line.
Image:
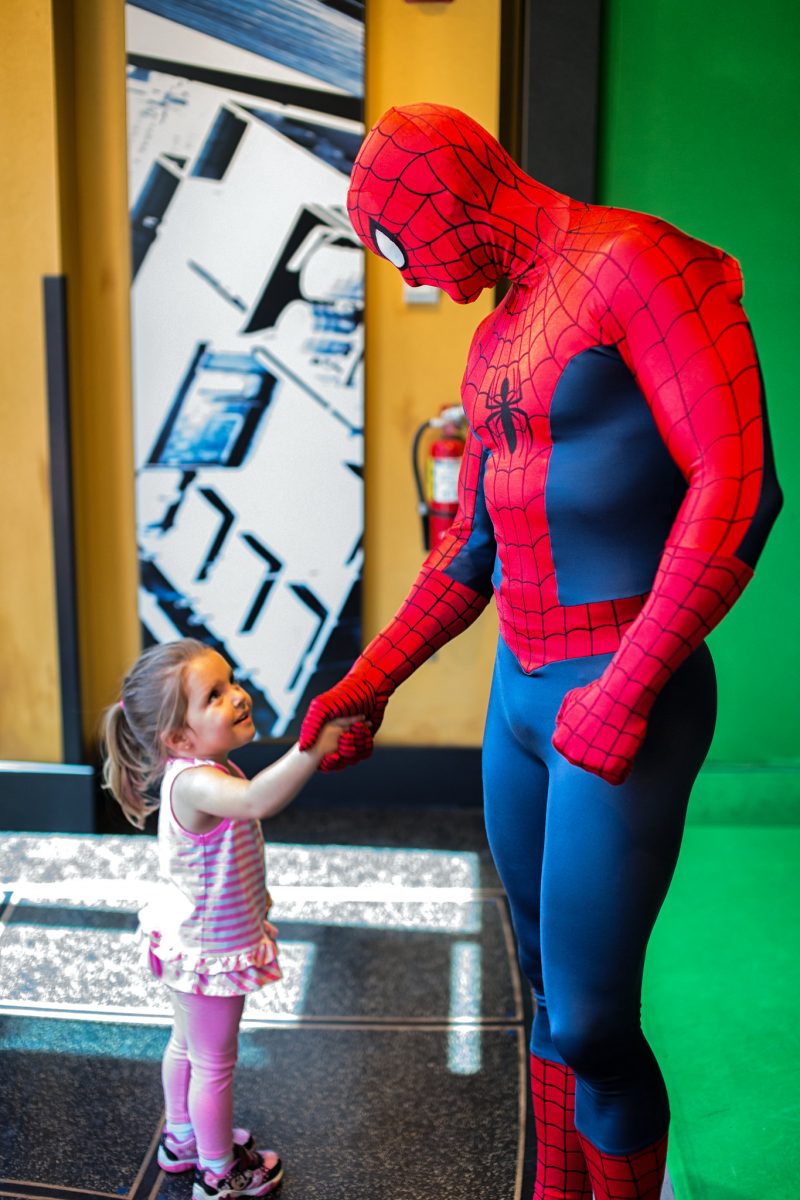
[(203, 792)]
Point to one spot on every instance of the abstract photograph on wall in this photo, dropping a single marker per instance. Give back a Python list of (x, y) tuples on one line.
[(247, 313)]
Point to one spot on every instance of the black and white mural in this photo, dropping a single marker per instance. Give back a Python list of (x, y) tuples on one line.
[(247, 300)]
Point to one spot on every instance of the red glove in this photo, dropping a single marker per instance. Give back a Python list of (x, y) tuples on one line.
[(601, 726), (346, 699)]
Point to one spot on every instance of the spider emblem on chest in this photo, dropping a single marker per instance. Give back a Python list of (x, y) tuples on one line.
[(504, 412)]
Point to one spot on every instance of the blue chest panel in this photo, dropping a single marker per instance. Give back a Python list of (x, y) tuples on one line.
[(473, 564), (612, 488)]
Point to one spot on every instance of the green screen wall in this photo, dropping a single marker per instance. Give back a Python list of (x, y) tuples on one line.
[(699, 124)]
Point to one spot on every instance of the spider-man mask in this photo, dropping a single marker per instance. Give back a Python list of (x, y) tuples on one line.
[(435, 194)]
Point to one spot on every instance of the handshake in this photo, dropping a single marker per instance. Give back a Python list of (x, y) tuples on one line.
[(353, 699)]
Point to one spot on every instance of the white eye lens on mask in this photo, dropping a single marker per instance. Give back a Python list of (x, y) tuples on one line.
[(389, 248)]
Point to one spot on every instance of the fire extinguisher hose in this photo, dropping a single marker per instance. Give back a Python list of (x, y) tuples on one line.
[(422, 503)]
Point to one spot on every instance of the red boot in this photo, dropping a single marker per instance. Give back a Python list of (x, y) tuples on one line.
[(561, 1172), (626, 1176)]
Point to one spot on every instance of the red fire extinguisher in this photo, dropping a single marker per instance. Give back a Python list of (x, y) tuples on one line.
[(438, 493)]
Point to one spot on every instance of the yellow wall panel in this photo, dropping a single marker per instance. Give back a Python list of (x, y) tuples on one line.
[(448, 54), (30, 719)]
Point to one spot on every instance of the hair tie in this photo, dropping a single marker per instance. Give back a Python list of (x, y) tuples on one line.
[(122, 705)]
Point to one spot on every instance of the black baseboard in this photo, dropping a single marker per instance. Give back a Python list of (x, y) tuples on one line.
[(61, 500), (47, 798), (393, 777), (62, 798)]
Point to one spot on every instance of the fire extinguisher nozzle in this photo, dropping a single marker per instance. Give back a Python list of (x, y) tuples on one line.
[(448, 416)]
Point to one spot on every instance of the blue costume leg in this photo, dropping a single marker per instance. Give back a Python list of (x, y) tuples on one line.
[(585, 895), (516, 783)]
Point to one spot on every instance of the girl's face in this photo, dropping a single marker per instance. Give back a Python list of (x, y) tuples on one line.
[(218, 711)]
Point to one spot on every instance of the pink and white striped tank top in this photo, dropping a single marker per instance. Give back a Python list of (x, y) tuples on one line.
[(205, 927)]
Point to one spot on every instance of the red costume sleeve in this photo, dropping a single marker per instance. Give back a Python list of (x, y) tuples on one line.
[(450, 592), (674, 313)]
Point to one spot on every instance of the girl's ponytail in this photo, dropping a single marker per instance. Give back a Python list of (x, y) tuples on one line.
[(132, 731), (125, 774)]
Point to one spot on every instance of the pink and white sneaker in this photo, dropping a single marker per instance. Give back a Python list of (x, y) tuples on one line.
[(254, 1173), (175, 1156)]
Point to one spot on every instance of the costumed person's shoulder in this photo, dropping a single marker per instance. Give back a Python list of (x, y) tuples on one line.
[(648, 247), (604, 242), (637, 254)]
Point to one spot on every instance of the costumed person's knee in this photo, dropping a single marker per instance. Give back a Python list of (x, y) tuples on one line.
[(529, 954), (541, 1037), (592, 1040)]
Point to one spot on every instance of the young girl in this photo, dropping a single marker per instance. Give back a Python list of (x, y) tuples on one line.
[(180, 716)]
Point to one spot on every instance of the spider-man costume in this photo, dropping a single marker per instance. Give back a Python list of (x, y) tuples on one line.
[(616, 490)]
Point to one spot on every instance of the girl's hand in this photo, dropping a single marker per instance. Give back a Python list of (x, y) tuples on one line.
[(328, 739)]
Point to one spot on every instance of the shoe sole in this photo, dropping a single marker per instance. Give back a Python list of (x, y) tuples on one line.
[(274, 1183), (270, 1186), (176, 1168)]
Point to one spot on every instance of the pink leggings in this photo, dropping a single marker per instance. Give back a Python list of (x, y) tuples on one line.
[(197, 1068)]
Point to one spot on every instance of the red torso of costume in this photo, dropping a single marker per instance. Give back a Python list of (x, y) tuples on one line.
[(516, 364), (557, 336)]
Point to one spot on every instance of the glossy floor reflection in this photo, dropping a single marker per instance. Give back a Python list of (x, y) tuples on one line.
[(389, 1061)]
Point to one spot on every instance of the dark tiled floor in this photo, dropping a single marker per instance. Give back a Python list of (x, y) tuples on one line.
[(347, 1108), (388, 1063)]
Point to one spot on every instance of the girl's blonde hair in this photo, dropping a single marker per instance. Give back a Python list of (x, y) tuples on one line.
[(132, 731)]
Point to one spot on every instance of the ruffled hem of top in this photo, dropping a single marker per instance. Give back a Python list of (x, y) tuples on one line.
[(224, 983), (199, 962)]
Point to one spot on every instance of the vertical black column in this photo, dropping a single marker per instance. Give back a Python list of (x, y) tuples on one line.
[(55, 325), (549, 90), (513, 24)]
